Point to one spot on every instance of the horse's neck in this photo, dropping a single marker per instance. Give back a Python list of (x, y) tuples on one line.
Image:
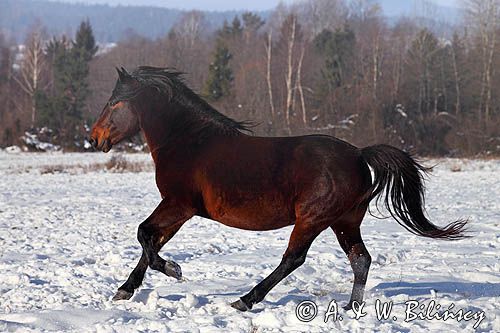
[(170, 126)]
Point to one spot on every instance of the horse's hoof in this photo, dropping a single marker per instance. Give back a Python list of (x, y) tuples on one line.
[(351, 304), (122, 295), (240, 305), (173, 269), (348, 306)]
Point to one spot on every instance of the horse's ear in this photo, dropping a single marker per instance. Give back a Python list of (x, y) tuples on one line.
[(124, 71), (120, 74), (123, 75)]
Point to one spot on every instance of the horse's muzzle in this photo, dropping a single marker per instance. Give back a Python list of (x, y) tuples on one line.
[(92, 142), (104, 145)]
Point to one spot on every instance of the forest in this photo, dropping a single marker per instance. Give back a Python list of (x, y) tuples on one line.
[(334, 67)]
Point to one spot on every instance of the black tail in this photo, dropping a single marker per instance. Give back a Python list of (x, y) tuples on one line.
[(401, 177)]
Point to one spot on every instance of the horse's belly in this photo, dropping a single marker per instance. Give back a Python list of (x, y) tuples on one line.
[(256, 224), (257, 214)]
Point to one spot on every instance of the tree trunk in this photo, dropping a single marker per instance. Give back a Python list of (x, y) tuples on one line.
[(31, 69), (269, 47), (289, 74), (489, 74), (457, 81), (299, 86), (376, 67)]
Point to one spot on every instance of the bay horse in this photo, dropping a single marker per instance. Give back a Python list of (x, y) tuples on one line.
[(207, 165)]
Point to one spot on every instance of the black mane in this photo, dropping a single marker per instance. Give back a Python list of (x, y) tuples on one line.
[(170, 83)]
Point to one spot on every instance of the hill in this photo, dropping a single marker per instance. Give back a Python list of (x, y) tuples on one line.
[(110, 23)]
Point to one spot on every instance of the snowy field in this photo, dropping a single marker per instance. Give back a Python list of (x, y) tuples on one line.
[(68, 240)]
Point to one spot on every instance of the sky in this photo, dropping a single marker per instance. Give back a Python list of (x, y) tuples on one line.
[(214, 4)]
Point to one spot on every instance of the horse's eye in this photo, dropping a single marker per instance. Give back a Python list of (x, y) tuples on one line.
[(113, 103)]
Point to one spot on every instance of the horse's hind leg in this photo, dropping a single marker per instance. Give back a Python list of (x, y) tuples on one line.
[(153, 233), (295, 255), (349, 237)]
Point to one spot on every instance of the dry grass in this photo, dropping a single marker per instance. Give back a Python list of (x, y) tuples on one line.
[(51, 169), (116, 164)]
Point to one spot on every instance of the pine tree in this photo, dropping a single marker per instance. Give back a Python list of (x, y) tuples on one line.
[(252, 22), (85, 42), (220, 75), (62, 109), (83, 50), (229, 32), (51, 105), (338, 50)]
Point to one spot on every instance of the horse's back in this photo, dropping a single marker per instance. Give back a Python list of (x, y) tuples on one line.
[(257, 182)]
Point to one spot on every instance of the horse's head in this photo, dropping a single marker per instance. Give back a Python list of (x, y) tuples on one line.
[(117, 120)]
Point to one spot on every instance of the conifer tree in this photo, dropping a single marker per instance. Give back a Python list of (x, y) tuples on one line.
[(338, 49), (85, 42), (220, 74), (63, 107)]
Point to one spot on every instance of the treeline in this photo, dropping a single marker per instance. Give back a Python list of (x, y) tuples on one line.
[(49, 89), (322, 66)]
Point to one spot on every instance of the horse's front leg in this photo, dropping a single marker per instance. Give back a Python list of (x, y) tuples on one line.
[(153, 233)]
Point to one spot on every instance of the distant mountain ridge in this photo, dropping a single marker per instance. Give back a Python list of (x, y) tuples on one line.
[(112, 23)]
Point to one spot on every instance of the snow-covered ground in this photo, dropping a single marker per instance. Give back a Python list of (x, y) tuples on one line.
[(68, 240)]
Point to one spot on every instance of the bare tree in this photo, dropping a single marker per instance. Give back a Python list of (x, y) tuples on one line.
[(290, 29), (457, 58), (318, 15), (193, 52), (484, 19), (269, 48), (399, 40), (377, 57), (299, 84), (363, 10), (32, 65), (191, 26)]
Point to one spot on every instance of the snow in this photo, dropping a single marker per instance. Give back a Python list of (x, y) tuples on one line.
[(33, 141), (68, 240)]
